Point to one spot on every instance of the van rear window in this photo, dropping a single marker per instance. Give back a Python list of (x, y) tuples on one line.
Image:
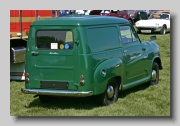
[(54, 39), (103, 38)]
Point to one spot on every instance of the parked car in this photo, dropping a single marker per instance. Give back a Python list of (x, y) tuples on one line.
[(137, 15), (87, 12), (81, 56), (80, 12), (154, 11), (157, 22), (115, 13), (64, 13)]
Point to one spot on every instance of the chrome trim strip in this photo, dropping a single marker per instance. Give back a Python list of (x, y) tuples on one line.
[(57, 92)]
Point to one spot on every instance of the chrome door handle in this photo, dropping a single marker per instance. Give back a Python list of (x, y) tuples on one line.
[(125, 51), (35, 53)]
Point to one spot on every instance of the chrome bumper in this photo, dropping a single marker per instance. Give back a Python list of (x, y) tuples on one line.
[(57, 92)]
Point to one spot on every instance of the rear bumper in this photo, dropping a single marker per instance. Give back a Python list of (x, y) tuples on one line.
[(57, 92)]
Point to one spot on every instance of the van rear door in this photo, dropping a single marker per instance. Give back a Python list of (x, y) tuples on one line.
[(54, 59)]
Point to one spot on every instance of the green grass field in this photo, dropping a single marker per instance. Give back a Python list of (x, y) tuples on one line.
[(137, 101)]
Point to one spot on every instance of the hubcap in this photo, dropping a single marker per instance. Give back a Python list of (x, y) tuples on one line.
[(110, 91), (153, 75), (164, 31)]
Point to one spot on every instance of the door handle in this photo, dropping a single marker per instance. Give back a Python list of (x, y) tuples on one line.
[(125, 51), (35, 53)]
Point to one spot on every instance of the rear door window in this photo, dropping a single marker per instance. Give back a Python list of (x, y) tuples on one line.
[(54, 39)]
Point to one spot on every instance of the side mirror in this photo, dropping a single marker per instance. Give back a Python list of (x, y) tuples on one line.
[(153, 37)]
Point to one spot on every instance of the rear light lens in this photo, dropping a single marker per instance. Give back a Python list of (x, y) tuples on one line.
[(26, 74), (27, 80), (81, 82), (81, 77)]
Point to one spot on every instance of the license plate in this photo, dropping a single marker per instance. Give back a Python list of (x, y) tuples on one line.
[(146, 31)]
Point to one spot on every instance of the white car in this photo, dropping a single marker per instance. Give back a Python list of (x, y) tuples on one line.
[(157, 22)]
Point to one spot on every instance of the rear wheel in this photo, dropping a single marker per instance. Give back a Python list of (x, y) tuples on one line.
[(131, 21), (155, 75), (110, 95), (139, 32), (163, 30)]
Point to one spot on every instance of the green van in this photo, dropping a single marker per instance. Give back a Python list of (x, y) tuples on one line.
[(81, 56)]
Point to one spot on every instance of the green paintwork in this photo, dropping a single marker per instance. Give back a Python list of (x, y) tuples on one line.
[(92, 52)]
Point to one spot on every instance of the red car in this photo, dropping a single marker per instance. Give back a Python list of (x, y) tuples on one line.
[(116, 13)]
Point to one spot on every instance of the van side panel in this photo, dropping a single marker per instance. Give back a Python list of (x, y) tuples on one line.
[(103, 53)]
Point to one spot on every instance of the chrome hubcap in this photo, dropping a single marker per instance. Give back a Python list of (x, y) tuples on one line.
[(110, 91), (164, 31), (153, 75)]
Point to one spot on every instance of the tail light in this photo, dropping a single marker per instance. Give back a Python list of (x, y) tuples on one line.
[(26, 74), (81, 77), (27, 80), (81, 81)]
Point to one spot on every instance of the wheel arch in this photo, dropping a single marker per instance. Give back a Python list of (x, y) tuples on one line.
[(119, 81), (165, 26), (113, 69), (158, 61)]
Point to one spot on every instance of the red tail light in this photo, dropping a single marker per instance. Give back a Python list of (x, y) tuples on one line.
[(27, 80), (81, 82), (26, 74), (81, 77)]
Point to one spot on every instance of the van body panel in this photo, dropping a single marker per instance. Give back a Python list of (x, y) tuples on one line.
[(52, 65)]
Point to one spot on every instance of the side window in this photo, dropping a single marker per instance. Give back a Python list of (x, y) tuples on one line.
[(54, 39), (103, 38), (127, 36)]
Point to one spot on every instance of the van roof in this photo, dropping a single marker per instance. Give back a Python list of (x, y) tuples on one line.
[(80, 20)]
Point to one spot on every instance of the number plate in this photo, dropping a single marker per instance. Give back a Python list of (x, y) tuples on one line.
[(146, 31)]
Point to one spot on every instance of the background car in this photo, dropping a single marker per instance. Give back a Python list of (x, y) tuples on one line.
[(157, 22), (116, 13), (137, 15)]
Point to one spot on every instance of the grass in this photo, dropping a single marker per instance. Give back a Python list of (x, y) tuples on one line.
[(137, 101)]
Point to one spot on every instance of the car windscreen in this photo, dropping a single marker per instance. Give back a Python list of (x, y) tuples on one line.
[(143, 15), (159, 16)]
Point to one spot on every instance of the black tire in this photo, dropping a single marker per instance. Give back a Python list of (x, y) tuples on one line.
[(154, 75), (131, 21), (45, 98), (163, 30), (139, 32), (106, 98)]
